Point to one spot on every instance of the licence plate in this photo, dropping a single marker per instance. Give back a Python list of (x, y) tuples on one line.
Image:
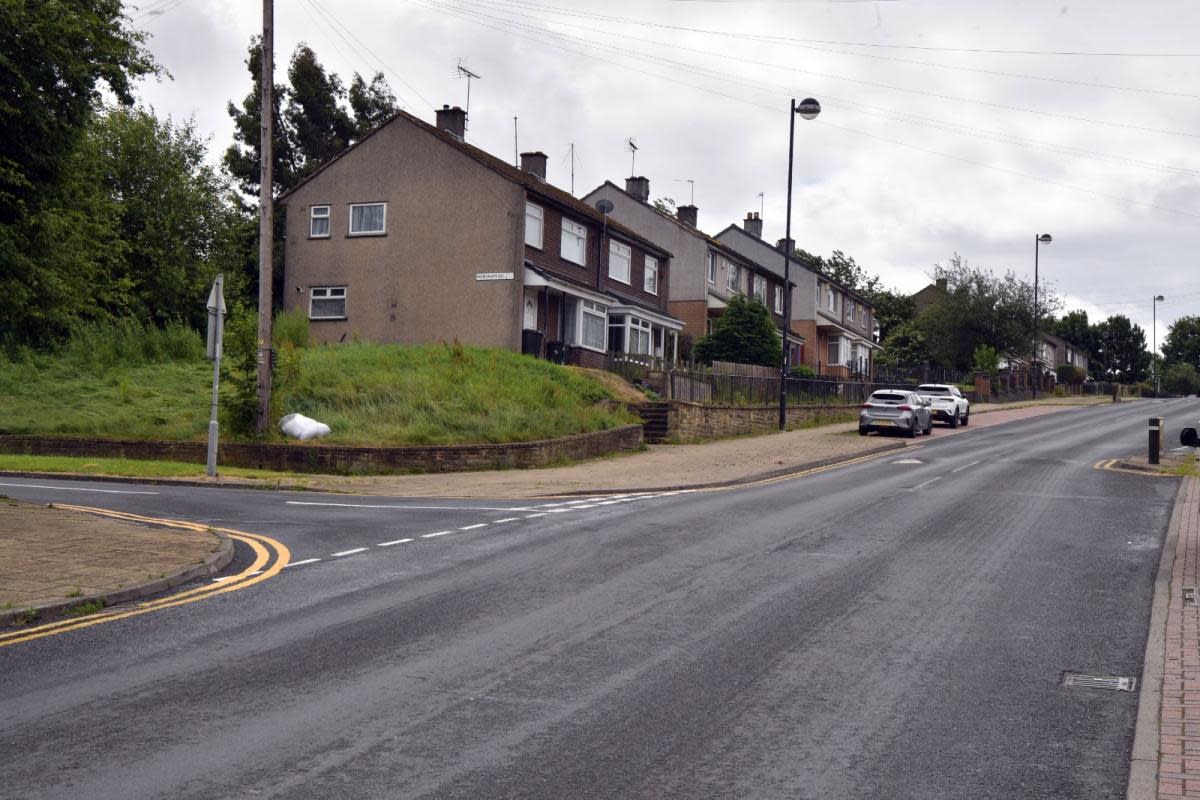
[(883, 422)]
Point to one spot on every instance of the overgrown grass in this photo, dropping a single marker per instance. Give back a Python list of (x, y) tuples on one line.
[(134, 383), (129, 468)]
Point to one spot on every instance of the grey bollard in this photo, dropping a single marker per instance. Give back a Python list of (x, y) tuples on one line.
[(1188, 438)]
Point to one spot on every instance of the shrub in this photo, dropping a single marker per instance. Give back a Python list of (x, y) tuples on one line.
[(803, 371), (744, 334), (103, 345), (1068, 373), (290, 327), (986, 359), (1181, 379), (239, 371)]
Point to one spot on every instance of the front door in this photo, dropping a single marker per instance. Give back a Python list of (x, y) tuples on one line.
[(530, 311)]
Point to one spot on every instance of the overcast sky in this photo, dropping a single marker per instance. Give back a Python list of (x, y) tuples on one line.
[(927, 144)]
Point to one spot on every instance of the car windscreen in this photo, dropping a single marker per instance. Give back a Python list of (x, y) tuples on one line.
[(889, 397), (938, 390)]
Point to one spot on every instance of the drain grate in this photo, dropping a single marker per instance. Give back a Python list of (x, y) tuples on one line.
[(1080, 680), (1191, 595)]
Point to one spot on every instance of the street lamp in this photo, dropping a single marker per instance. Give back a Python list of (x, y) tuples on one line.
[(1045, 238), (1158, 298), (807, 108)]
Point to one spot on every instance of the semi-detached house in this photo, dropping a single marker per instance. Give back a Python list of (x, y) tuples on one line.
[(412, 235)]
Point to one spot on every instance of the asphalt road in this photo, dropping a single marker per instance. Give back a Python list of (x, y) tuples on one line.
[(884, 629)]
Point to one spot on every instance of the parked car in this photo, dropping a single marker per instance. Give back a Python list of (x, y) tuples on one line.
[(949, 405), (895, 410)]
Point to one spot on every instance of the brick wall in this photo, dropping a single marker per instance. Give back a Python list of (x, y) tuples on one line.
[(693, 313), (690, 422), (333, 459)]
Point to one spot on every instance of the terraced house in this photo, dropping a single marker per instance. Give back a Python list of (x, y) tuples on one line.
[(836, 324), (705, 272), (412, 235)]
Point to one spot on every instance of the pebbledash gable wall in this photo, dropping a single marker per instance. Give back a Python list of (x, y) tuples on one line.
[(692, 422), (332, 459)]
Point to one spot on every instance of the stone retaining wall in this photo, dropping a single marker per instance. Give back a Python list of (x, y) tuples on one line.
[(691, 422), (335, 459)]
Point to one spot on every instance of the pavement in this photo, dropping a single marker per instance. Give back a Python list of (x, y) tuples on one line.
[(896, 627)]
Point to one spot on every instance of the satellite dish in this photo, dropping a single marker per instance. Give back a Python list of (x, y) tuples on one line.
[(604, 206)]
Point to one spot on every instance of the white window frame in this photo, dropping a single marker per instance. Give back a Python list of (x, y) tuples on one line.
[(574, 232), (642, 330), (778, 299), (327, 293), (618, 254), (712, 267), (839, 342), (831, 300), (733, 280), (760, 289), (589, 309), (537, 214), (350, 221), (650, 275), (313, 216)]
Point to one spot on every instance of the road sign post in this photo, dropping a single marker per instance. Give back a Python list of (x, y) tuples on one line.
[(215, 340)]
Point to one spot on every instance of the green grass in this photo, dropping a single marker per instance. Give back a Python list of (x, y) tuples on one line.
[(83, 609), (128, 383), (126, 467)]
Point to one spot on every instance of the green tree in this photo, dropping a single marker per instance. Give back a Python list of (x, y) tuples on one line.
[(1122, 350), (1074, 327), (905, 346), (892, 309), (243, 158), (743, 334), (55, 59), (986, 359), (1182, 345), (666, 205), (1181, 378), (321, 127), (371, 103)]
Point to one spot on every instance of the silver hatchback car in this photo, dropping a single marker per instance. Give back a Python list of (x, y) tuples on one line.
[(895, 410)]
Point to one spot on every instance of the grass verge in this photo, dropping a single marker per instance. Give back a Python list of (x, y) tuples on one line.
[(131, 468)]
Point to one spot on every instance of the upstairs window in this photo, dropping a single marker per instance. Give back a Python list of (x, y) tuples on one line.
[(650, 276), (778, 299), (731, 275), (760, 289), (619, 256), (574, 242), (368, 219), (318, 222), (535, 220), (712, 267), (327, 302)]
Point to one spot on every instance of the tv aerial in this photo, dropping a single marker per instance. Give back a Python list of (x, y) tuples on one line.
[(461, 71)]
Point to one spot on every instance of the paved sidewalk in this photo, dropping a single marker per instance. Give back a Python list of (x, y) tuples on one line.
[(1179, 713), (49, 556)]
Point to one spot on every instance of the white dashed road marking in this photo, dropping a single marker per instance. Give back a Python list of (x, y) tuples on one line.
[(926, 483), (965, 466), (438, 533), (75, 488), (473, 527), (397, 507), (302, 563), (350, 552), (394, 541)]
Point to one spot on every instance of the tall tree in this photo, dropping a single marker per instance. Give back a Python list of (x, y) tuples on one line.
[(372, 103), (1074, 327), (1122, 347), (320, 125), (1182, 345), (892, 309), (243, 159), (744, 334), (55, 59)]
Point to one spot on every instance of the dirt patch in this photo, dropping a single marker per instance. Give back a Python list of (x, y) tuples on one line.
[(620, 388)]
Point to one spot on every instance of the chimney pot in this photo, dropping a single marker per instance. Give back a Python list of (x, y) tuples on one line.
[(753, 225), (687, 215), (639, 187), (534, 163), (452, 120), (941, 284)]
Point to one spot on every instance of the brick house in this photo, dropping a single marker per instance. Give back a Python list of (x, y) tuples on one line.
[(836, 324), (412, 235), (704, 272)]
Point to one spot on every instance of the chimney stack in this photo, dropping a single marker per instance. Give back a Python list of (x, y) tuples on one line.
[(452, 120), (687, 215), (753, 224), (941, 284), (782, 246), (639, 188), (535, 163)]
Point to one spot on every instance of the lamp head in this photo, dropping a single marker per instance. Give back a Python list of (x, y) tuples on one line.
[(1159, 298), (1045, 238), (808, 108)]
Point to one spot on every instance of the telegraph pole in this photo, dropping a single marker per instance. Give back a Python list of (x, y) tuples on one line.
[(266, 227)]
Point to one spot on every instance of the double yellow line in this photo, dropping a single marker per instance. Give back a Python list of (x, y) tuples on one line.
[(270, 556)]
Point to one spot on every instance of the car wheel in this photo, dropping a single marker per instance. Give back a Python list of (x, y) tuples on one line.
[(912, 430), (967, 417), (862, 431), (929, 426), (954, 420)]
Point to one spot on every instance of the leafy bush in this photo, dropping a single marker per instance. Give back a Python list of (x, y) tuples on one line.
[(1068, 373), (986, 359), (803, 371), (743, 334), (290, 327), (1181, 379), (239, 372)]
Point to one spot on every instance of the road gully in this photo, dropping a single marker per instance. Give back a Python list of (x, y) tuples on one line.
[(894, 628)]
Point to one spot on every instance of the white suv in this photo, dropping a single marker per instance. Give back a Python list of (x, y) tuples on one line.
[(949, 405)]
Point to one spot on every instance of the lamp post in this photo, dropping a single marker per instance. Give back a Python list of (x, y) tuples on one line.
[(1158, 298), (807, 108), (1038, 241)]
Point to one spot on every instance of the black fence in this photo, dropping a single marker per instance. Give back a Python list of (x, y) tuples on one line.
[(706, 387)]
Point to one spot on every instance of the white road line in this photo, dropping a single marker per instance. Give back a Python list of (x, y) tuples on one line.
[(431, 535), (223, 578), (966, 466), (302, 563), (539, 514), (926, 483), (350, 552), (395, 541), (396, 507), (585, 506), (473, 527), (74, 488), (506, 519)]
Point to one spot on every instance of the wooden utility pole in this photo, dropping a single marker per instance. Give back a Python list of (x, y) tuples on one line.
[(266, 227)]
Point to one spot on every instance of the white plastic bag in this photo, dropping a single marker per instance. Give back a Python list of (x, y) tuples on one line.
[(299, 426)]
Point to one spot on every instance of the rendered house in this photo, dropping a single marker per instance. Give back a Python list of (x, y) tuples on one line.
[(412, 235), (704, 272), (836, 325), (1057, 352)]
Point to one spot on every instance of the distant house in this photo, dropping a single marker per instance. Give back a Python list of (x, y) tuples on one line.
[(704, 272), (930, 296), (412, 235), (835, 323), (1058, 352)]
